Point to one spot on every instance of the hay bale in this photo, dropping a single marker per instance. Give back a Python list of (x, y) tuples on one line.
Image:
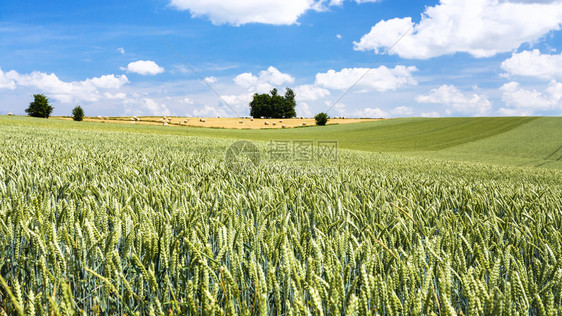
[(266, 123), (10, 114), (99, 117), (274, 123), (165, 123), (283, 126), (106, 118), (252, 119), (303, 123), (202, 120), (240, 122), (280, 121)]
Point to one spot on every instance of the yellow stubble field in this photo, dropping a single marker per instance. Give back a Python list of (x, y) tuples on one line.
[(220, 122)]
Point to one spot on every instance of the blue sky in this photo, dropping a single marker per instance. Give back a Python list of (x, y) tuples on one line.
[(455, 57)]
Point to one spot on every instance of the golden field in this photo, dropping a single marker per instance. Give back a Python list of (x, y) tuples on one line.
[(217, 122)]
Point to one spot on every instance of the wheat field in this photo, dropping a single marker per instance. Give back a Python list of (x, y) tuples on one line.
[(108, 222)]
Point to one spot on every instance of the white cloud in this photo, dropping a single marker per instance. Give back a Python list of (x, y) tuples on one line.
[(310, 92), (154, 107), (265, 81), (115, 96), (515, 112), (377, 112), (7, 80), (481, 28), (520, 101), (277, 12), (144, 67), (303, 109), (275, 77), (371, 113), (338, 36), (534, 64), (108, 81), (187, 100), (208, 111), (456, 101), (121, 50), (380, 79), (246, 80), (402, 111), (66, 92), (240, 101), (430, 114), (211, 79)]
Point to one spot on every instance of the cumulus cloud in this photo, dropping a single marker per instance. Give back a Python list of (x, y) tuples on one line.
[(402, 111), (310, 92), (115, 96), (303, 109), (144, 67), (380, 79), (239, 101), (7, 79), (371, 113), (481, 28), (521, 101), (87, 90), (534, 64), (430, 114), (264, 81), (456, 101), (155, 108), (276, 12), (208, 111), (211, 79)]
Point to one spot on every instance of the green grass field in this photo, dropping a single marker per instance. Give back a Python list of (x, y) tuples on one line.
[(521, 141), (417, 216)]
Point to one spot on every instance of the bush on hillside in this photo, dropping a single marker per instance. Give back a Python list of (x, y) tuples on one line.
[(321, 118)]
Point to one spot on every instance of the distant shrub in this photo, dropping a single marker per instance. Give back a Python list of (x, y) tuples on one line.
[(40, 107), (78, 113), (321, 118)]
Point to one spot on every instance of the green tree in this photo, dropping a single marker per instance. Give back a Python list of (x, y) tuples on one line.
[(40, 107), (321, 118), (290, 104), (273, 105), (277, 105), (78, 113), (260, 105)]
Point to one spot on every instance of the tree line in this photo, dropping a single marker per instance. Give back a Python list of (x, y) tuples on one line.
[(273, 105)]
